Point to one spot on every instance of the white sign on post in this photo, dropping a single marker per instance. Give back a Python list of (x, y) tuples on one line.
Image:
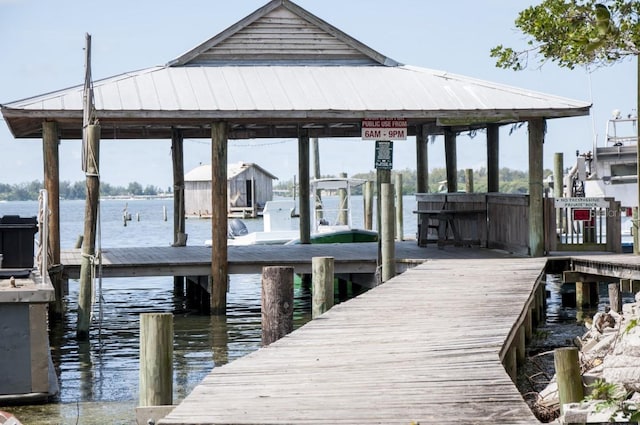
[(581, 203), (384, 129)]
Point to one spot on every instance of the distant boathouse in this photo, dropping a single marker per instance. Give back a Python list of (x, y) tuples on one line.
[(249, 187)]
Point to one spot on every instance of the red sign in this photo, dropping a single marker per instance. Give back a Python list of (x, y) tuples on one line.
[(581, 215)]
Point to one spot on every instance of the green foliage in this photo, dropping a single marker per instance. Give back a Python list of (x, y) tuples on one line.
[(611, 396), (575, 32), (511, 181), (632, 324), (29, 191)]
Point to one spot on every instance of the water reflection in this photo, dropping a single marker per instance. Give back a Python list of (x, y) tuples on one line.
[(99, 378)]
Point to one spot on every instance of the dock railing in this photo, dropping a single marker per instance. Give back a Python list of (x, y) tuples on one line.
[(585, 224)]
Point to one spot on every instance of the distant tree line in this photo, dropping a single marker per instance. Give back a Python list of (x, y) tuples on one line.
[(30, 191), (511, 181)]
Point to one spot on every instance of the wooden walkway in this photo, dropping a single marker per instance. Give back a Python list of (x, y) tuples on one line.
[(196, 260), (427, 346)]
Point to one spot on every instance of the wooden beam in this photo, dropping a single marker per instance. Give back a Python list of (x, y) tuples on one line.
[(536, 219), (219, 214), (451, 160), (493, 158), (422, 161)]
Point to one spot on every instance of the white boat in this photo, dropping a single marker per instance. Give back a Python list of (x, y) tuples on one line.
[(330, 225), (610, 169)]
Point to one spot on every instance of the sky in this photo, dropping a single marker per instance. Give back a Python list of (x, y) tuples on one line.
[(42, 42)]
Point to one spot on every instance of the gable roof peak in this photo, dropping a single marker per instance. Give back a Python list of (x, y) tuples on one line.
[(282, 33)]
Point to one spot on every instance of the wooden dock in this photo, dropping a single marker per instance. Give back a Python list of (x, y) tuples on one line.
[(196, 260), (426, 347)]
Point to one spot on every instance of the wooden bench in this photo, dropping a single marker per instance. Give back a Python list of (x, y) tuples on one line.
[(446, 219)]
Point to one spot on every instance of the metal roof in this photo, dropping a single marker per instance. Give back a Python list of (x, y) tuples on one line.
[(203, 172), (324, 85)]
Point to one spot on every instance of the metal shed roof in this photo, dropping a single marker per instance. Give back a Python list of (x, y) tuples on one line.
[(268, 79), (203, 172)]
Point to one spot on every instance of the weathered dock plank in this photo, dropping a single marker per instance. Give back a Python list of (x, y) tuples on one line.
[(196, 260), (424, 347)]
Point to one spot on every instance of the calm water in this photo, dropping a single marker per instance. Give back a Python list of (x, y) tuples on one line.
[(99, 379)]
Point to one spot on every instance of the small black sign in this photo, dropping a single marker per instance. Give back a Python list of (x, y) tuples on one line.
[(384, 155)]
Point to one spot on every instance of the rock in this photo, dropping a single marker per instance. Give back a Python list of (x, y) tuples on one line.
[(622, 369)]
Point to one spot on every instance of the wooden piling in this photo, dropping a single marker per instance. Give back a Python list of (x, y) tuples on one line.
[(399, 209), (387, 233), (156, 359), (368, 205), (451, 160), (90, 220), (305, 190), (567, 366), (558, 183), (536, 172), (468, 180), (343, 213), (322, 292), (422, 160), (583, 294), (219, 265), (51, 162), (615, 300), (79, 240), (276, 303)]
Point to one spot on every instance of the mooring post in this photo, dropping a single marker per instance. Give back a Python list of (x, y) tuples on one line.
[(90, 222), (615, 301), (368, 205), (156, 359), (276, 303), (387, 232), (322, 292), (567, 366), (399, 209)]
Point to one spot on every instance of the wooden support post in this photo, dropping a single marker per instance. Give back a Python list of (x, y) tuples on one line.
[(468, 180), (625, 285), (303, 175), (451, 160), (536, 219), (558, 184), (322, 292), (399, 208), (615, 300), (315, 148), (277, 303), (368, 205), (567, 366), (583, 294), (382, 176), (219, 278), (90, 221), (528, 325), (422, 161), (614, 227), (179, 234), (493, 158), (156, 359), (540, 292), (635, 227), (343, 213), (520, 343), (388, 242), (177, 156), (510, 363), (50, 155)]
